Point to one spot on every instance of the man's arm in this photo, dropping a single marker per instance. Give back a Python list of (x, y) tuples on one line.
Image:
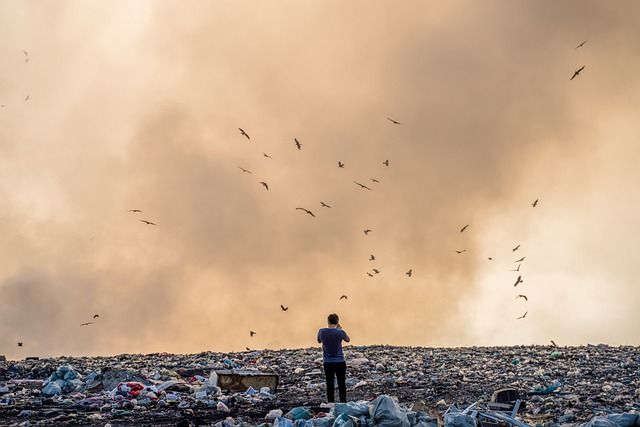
[(346, 337), (319, 340)]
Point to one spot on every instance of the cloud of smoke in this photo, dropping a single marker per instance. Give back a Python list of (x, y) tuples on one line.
[(138, 107)]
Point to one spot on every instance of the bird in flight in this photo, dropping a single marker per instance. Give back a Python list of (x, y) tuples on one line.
[(553, 343), (95, 316), (409, 273), (375, 270), (134, 210), (307, 211), (517, 269), (343, 297), (386, 163), (520, 260), (459, 252), (267, 156), (364, 187), (375, 180), (27, 98), (243, 133), (523, 316), (581, 44), (518, 281), (283, 308), (251, 333), (324, 205), (367, 231), (464, 228), (265, 185), (369, 274), (535, 203), (248, 349), (245, 170), (20, 344), (372, 258), (340, 164), (490, 259), (515, 249), (297, 143), (86, 323), (395, 122), (577, 72), (523, 296), (148, 222)]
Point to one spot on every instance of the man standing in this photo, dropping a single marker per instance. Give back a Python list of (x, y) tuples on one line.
[(333, 357)]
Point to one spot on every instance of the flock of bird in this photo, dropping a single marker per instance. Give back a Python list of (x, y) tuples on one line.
[(341, 165)]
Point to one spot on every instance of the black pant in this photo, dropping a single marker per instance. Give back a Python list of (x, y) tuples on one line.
[(339, 369)]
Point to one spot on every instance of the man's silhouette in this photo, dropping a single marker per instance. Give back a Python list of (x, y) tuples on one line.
[(331, 338)]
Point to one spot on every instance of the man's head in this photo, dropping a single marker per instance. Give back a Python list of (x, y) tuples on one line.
[(333, 319)]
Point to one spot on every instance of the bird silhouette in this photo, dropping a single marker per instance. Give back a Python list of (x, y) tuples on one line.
[(283, 308), (251, 333), (367, 231), (523, 316), (515, 249), (518, 281), (245, 170), (265, 185), (459, 252), (523, 296), (25, 53), (27, 98), (297, 143), (244, 133), (148, 222), (364, 187), (577, 72), (517, 269), (375, 180), (372, 258), (553, 343), (340, 164), (20, 344), (395, 122), (307, 211), (581, 44), (490, 259), (95, 316), (535, 203), (520, 260), (267, 156), (86, 323), (324, 205), (386, 163), (369, 274), (343, 297), (409, 273), (248, 349), (464, 228), (375, 270), (134, 210)]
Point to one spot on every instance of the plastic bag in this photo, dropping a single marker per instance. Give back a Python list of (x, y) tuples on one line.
[(298, 413), (456, 418), (385, 413), (355, 409)]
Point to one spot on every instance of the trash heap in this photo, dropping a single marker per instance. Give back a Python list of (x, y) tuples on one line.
[(566, 385)]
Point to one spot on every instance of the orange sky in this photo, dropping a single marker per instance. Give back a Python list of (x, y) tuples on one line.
[(138, 105)]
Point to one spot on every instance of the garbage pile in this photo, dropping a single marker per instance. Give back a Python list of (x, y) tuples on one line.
[(555, 385)]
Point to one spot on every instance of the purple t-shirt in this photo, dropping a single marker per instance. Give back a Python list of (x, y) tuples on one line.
[(331, 339)]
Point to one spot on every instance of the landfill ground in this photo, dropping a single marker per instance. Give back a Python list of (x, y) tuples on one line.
[(574, 384)]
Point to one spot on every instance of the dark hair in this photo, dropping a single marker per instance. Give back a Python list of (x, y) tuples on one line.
[(333, 319)]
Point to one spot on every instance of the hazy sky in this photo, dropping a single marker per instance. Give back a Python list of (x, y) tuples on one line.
[(137, 105)]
